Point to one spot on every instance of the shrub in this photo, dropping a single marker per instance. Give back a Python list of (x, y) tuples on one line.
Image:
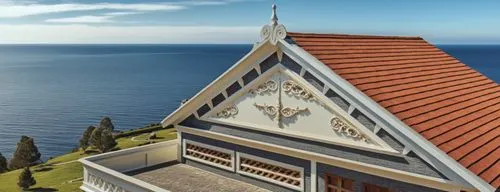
[(26, 179), (84, 140), (106, 124), (26, 154), (107, 141), (95, 137), (3, 164)]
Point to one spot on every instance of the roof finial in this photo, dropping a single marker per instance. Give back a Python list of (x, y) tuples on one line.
[(273, 32), (274, 17)]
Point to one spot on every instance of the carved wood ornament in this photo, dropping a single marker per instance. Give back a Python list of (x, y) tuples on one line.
[(279, 111), (339, 126), (274, 31), (227, 112)]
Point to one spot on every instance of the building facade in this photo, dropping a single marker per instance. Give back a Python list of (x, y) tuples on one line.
[(324, 112)]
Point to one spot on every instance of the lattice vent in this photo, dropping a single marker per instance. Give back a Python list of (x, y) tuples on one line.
[(275, 173), (210, 155)]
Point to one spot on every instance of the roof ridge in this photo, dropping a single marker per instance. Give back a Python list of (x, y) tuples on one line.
[(355, 36)]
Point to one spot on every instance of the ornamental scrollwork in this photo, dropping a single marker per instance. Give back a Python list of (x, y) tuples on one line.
[(270, 85), (268, 109), (103, 184), (285, 111), (290, 112), (341, 127), (274, 31), (294, 88), (228, 112)]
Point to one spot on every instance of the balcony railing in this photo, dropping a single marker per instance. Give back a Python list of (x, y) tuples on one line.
[(105, 172)]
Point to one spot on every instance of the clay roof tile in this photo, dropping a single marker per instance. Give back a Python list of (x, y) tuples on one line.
[(453, 106)]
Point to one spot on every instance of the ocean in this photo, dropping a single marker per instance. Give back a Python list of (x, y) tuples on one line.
[(54, 92)]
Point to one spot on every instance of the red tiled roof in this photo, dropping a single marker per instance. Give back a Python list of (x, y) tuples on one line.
[(453, 106)]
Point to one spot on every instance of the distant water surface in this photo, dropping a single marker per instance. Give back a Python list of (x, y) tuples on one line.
[(53, 92)]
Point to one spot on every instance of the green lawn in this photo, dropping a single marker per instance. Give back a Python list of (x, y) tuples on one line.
[(64, 173)]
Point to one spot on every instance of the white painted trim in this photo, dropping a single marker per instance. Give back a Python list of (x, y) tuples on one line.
[(240, 81), (257, 68), (406, 150), (325, 90), (351, 108), (379, 145), (394, 174), (230, 152), (272, 162), (394, 126), (179, 145), (302, 71), (376, 129), (111, 174), (210, 104), (314, 177), (279, 54)]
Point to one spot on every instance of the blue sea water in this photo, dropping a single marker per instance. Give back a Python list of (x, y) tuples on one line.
[(53, 92)]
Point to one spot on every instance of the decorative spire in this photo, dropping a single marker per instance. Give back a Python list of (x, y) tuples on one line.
[(274, 31), (274, 17)]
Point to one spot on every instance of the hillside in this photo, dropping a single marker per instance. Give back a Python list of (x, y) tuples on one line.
[(64, 173)]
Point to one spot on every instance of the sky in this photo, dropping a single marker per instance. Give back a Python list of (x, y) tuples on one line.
[(239, 21)]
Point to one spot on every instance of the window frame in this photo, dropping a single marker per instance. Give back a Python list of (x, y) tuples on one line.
[(336, 187), (374, 185)]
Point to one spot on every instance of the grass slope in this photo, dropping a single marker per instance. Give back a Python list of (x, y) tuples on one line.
[(64, 172)]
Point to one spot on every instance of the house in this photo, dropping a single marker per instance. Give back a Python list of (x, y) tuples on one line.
[(324, 112)]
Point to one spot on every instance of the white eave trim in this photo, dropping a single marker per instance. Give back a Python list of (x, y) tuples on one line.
[(403, 133)]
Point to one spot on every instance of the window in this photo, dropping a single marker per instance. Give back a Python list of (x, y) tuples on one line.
[(338, 184), (211, 155), (271, 171), (374, 188)]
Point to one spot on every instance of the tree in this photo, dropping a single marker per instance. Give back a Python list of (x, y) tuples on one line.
[(95, 138), (107, 141), (26, 179), (3, 163), (26, 154), (84, 140), (106, 124)]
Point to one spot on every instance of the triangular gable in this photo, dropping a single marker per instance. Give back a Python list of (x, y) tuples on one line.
[(383, 119), (280, 101)]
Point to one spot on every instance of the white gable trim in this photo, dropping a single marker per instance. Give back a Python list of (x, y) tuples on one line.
[(381, 147), (390, 123)]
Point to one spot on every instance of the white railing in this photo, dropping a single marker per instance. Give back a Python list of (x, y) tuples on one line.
[(105, 172)]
